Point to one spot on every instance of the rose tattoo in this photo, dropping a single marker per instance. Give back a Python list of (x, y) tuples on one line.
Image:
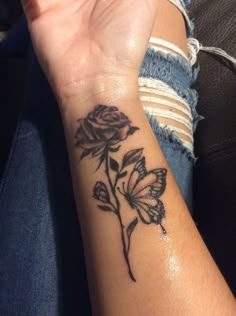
[(99, 135), (104, 127)]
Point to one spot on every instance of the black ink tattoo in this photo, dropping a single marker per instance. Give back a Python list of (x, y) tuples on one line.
[(99, 135)]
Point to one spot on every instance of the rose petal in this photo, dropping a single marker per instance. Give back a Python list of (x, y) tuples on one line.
[(88, 132), (101, 125), (104, 115), (99, 110), (123, 133)]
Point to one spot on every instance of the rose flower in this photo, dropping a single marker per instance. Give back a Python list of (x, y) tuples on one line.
[(101, 193), (104, 127)]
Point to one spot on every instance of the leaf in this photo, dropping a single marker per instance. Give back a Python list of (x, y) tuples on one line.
[(131, 157), (102, 159), (85, 153), (105, 208), (132, 130), (114, 149), (114, 165), (131, 227), (122, 175)]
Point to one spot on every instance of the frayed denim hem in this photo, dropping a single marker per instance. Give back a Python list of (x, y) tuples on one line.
[(167, 135), (156, 63), (175, 71)]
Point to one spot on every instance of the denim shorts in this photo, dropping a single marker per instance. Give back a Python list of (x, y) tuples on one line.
[(42, 270)]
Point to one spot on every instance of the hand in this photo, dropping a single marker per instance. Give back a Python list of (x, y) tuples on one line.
[(82, 42)]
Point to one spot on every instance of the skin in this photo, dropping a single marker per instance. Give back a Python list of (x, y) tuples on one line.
[(91, 52), (89, 27)]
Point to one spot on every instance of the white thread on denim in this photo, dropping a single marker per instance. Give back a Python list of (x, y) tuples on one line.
[(168, 103), (177, 129), (188, 145), (163, 90), (159, 87), (166, 47), (172, 129), (161, 49), (166, 95), (169, 115), (195, 47)]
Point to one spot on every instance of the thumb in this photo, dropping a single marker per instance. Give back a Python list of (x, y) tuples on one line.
[(35, 8), (31, 9)]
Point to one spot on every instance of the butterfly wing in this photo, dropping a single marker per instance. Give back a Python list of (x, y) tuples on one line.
[(143, 212), (160, 184), (156, 179), (136, 175), (150, 214), (143, 192), (159, 213)]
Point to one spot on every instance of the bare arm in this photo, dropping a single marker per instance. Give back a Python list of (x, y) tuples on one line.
[(144, 255)]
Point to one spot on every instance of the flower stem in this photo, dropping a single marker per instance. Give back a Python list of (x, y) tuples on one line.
[(117, 212), (125, 248)]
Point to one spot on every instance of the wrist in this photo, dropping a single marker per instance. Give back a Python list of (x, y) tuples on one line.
[(102, 89)]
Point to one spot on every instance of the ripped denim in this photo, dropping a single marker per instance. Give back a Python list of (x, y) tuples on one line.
[(179, 75), (166, 83)]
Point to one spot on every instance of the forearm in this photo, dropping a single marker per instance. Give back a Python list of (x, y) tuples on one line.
[(174, 272), (144, 255)]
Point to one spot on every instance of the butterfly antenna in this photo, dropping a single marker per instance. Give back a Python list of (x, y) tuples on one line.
[(123, 185), (118, 188)]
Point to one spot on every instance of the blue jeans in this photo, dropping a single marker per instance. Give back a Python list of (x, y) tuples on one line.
[(42, 269)]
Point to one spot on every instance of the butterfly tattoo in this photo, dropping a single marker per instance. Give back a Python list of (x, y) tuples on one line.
[(143, 192), (99, 136)]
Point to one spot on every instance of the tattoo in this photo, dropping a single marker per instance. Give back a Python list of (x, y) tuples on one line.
[(99, 135)]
